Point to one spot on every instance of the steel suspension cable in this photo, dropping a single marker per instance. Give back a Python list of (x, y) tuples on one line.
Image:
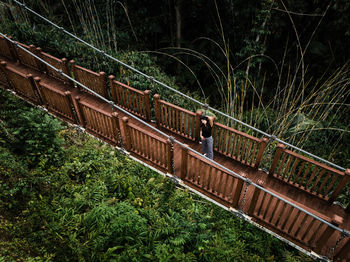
[(343, 231), (178, 92)]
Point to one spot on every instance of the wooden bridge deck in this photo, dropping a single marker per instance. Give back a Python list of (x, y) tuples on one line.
[(315, 205)]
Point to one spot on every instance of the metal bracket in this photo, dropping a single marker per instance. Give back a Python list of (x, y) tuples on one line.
[(272, 138), (172, 139)]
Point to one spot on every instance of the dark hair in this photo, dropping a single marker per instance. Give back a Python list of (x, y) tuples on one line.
[(204, 118)]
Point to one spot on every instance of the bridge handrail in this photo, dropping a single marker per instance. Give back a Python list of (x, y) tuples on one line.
[(247, 181), (129, 98), (176, 91)]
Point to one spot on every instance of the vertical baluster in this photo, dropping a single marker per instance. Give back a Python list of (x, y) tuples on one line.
[(326, 235), (300, 225), (286, 218), (325, 180), (330, 187), (279, 150), (268, 206), (210, 178), (302, 180), (316, 169), (237, 192), (248, 155), (308, 229), (280, 215), (274, 210), (311, 241), (166, 116), (157, 109), (235, 138), (343, 253), (244, 149), (282, 165), (228, 146), (124, 131), (262, 203), (239, 148), (294, 222), (197, 123), (78, 110), (284, 175), (344, 181), (254, 200), (181, 115), (184, 162), (147, 104), (319, 177)]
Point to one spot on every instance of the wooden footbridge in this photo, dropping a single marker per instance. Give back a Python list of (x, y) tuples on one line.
[(294, 199)]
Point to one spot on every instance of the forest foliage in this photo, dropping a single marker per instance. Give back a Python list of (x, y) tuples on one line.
[(69, 197), (281, 66)]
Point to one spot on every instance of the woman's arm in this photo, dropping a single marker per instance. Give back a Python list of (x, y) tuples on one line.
[(211, 120)]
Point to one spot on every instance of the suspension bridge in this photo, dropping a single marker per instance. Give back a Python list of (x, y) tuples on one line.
[(295, 199)]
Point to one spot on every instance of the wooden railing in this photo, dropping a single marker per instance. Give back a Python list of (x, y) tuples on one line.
[(342, 253), (209, 179), (21, 83), (60, 64), (97, 118), (307, 174), (7, 49), (176, 119), (97, 121), (27, 59), (155, 149), (94, 81), (131, 99), (56, 101), (238, 145), (287, 220)]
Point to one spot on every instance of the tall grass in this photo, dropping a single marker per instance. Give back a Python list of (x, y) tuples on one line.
[(294, 109)]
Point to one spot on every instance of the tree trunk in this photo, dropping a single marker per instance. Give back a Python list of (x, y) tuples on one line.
[(178, 22)]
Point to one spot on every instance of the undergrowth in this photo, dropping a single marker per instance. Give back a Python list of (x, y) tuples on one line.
[(87, 202)]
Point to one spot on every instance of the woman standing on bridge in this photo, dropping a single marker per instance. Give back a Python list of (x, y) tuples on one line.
[(206, 137)]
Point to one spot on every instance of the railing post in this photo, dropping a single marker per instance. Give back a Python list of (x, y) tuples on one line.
[(341, 185), (157, 109), (255, 197), (279, 150), (72, 67), (37, 86), (336, 220), (184, 157), (147, 105), (198, 125), (34, 88), (237, 193), (111, 85), (104, 84), (35, 51), (78, 111), (123, 123), (170, 153), (263, 144), (116, 128)]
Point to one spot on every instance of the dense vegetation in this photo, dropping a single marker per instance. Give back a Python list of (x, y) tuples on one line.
[(281, 66), (68, 197)]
